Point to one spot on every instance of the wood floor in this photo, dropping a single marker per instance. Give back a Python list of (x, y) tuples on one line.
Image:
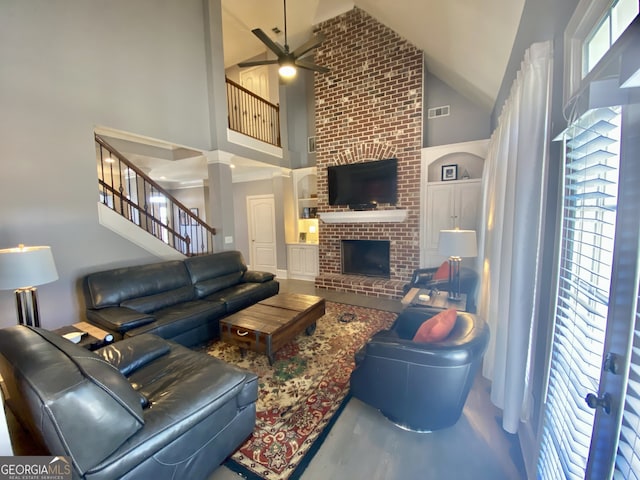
[(364, 445)]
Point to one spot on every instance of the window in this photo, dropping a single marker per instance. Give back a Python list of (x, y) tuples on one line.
[(585, 266), (616, 19), (593, 29), (595, 348)]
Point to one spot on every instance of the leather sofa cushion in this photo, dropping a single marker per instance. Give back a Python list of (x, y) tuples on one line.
[(195, 381), (133, 353), (112, 287), (207, 287), (172, 321), (151, 303), (206, 267), (257, 277), (67, 388), (118, 319), (243, 295)]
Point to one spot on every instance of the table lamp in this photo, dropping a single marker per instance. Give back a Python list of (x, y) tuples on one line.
[(23, 268), (456, 244)]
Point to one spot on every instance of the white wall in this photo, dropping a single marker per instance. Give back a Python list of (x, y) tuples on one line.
[(68, 66), (193, 197)]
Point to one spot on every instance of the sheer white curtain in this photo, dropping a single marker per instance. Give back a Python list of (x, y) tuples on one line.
[(513, 205)]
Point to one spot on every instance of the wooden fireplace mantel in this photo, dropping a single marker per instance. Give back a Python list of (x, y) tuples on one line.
[(364, 216)]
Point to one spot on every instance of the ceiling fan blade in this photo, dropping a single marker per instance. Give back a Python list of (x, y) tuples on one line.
[(309, 45), (311, 66), (255, 63), (273, 46)]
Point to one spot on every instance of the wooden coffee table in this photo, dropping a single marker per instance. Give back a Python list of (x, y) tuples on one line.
[(272, 323)]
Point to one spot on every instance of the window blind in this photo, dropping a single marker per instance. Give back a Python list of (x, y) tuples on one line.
[(590, 187), (627, 466)]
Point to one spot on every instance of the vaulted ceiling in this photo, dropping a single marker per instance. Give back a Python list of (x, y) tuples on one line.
[(466, 43)]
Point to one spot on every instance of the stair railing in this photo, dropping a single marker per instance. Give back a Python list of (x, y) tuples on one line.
[(128, 191), (252, 115)]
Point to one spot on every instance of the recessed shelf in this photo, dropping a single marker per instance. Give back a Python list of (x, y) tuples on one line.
[(365, 216)]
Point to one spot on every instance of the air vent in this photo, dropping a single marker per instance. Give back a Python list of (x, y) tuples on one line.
[(436, 112)]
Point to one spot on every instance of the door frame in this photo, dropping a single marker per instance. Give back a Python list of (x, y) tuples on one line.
[(249, 199)]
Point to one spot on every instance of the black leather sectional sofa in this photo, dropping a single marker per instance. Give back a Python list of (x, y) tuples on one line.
[(177, 300), (142, 408)]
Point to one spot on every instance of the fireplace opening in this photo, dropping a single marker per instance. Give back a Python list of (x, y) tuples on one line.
[(366, 257)]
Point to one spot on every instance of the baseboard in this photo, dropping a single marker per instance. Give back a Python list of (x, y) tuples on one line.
[(282, 274), (528, 448), (306, 278)]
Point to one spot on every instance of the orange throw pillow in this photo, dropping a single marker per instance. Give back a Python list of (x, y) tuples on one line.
[(443, 272), (437, 327)]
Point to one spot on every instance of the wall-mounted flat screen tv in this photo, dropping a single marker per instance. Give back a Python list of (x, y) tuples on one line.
[(364, 185)]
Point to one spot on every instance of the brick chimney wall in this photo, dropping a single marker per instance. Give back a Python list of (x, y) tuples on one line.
[(369, 107)]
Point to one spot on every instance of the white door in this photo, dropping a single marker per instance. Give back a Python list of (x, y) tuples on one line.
[(257, 80), (261, 214), (440, 212), (468, 205)]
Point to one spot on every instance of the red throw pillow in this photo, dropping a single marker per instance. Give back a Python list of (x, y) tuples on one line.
[(443, 272), (437, 327)]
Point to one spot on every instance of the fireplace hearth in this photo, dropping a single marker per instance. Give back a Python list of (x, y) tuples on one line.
[(366, 257)]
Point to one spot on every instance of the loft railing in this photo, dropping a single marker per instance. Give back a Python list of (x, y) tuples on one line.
[(128, 191), (252, 115)]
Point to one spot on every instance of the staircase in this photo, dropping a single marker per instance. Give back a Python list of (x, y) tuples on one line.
[(130, 193)]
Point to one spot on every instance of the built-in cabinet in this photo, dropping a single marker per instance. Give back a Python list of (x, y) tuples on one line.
[(305, 196), (302, 261), (452, 205), (302, 253), (448, 203)]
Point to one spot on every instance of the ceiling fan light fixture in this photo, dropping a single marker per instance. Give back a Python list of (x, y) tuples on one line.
[(287, 59), (287, 70)]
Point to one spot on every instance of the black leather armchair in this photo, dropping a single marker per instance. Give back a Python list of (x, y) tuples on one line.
[(423, 278), (420, 386)]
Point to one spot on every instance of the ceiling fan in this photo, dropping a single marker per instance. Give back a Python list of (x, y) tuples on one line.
[(288, 60)]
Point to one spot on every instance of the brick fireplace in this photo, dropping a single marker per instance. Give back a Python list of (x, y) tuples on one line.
[(369, 107)]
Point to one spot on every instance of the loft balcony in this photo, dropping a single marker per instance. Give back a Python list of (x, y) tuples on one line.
[(252, 115)]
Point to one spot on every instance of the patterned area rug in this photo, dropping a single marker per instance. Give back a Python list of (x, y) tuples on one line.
[(302, 392)]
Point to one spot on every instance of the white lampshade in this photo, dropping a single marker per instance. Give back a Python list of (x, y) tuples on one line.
[(26, 267), (458, 243)]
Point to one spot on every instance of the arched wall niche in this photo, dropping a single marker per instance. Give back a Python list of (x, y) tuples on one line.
[(469, 155), (469, 165)]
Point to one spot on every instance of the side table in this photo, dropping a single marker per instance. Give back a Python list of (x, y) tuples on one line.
[(437, 299), (92, 336)]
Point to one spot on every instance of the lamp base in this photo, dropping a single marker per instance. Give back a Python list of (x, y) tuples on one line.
[(454, 279), (454, 297), (27, 305)]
